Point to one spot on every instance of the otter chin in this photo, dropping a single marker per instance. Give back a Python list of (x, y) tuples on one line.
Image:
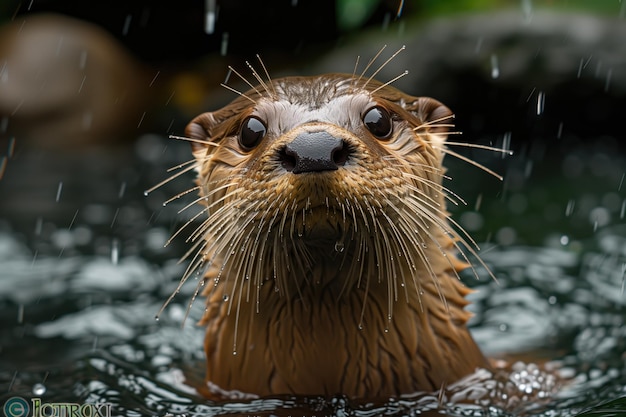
[(329, 262)]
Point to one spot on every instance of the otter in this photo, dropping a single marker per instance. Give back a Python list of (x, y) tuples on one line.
[(329, 262)]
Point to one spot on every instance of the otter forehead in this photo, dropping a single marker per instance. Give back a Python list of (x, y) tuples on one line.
[(313, 92), (284, 115)]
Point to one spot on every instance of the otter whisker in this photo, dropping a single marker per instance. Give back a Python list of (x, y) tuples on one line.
[(181, 194), (234, 90), (370, 62), (178, 174), (267, 74), (471, 162), (353, 78), (457, 235), (383, 66), (448, 194), (245, 80), (394, 79), (207, 196), (200, 141), (419, 222), (434, 122), (199, 286), (486, 147), (259, 79)]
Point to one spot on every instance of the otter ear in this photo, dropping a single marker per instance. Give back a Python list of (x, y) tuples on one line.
[(199, 130), (432, 114)]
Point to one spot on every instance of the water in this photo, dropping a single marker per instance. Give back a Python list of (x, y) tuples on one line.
[(84, 272)]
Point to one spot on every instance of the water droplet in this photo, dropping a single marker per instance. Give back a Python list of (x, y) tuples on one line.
[(339, 246), (234, 353), (145, 193), (564, 240), (495, 70), (503, 327), (552, 300), (360, 326), (39, 389), (226, 297)]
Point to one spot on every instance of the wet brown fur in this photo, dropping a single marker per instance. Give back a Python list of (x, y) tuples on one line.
[(330, 282)]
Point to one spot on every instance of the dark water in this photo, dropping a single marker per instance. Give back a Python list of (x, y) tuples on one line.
[(83, 271)]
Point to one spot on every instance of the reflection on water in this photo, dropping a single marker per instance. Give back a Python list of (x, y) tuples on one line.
[(82, 279)]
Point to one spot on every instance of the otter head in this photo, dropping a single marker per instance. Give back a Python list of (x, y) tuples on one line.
[(316, 166), (326, 218)]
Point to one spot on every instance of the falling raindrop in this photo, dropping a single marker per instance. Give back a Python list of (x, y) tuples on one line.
[(82, 83), (210, 17), (506, 143), (59, 190), (527, 10), (20, 314), (495, 69), (11, 147), (609, 74), (83, 60), (141, 120), (38, 226), (39, 389), (4, 124), (339, 246), (224, 45), (3, 166), (127, 24), (154, 79), (479, 201), (117, 211), (622, 210), (570, 208), (59, 45), (479, 45), (564, 240), (122, 190), (115, 251), (541, 101), (559, 131)]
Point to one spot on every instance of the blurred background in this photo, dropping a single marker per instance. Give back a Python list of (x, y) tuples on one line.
[(90, 92)]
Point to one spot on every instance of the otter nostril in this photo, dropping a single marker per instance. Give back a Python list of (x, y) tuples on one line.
[(286, 160), (340, 155), (314, 152)]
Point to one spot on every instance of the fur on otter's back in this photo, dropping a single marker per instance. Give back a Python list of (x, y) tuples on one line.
[(330, 260)]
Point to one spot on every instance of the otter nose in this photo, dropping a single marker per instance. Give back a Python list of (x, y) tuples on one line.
[(314, 151)]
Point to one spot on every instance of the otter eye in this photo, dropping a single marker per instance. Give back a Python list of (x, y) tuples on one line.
[(252, 131), (378, 121)]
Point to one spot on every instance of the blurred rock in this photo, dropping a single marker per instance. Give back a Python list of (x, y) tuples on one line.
[(64, 82), (537, 75)]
